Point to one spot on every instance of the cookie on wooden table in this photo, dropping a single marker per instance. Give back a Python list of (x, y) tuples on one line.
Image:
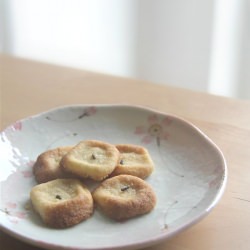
[(124, 196), (62, 203), (91, 159)]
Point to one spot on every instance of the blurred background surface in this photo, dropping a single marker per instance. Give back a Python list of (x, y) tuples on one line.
[(202, 45)]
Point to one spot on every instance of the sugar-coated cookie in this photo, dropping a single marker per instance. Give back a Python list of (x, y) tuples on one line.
[(47, 166), (124, 196), (62, 203), (91, 159), (134, 160)]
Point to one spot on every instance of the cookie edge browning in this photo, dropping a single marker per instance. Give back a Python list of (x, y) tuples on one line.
[(96, 174), (123, 209), (66, 213), (142, 170), (43, 173)]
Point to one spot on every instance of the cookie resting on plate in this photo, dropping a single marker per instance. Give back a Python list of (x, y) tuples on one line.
[(62, 203), (134, 160), (48, 165), (91, 159), (124, 196)]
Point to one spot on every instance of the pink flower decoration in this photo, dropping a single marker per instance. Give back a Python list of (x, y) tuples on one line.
[(13, 220), (90, 111), (11, 205), (140, 130), (30, 163), (152, 119), (17, 125), (147, 139), (154, 130), (20, 215), (11, 212), (27, 173), (166, 121)]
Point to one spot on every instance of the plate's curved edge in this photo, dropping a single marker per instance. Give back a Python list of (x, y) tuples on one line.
[(118, 105), (156, 239)]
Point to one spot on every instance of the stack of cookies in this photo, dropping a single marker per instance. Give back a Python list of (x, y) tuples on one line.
[(62, 200)]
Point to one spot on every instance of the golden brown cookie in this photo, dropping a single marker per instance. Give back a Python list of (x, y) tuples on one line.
[(62, 203), (134, 160), (124, 196), (47, 166), (91, 159)]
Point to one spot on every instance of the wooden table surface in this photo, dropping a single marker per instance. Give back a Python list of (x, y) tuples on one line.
[(29, 87)]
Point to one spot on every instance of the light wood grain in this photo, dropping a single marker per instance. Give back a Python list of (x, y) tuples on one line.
[(29, 87)]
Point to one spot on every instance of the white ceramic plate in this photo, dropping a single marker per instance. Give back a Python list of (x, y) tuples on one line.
[(189, 177)]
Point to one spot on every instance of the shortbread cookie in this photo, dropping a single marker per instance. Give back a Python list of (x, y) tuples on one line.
[(47, 166), (91, 159), (134, 160), (62, 203), (124, 196)]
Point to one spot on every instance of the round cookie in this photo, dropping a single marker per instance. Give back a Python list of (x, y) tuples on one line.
[(124, 196), (134, 160), (62, 203), (47, 166), (91, 159)]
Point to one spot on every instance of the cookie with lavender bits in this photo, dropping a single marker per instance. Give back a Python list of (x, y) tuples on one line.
[(134, 160), (62, 203), (91, 159), (124, 196)]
